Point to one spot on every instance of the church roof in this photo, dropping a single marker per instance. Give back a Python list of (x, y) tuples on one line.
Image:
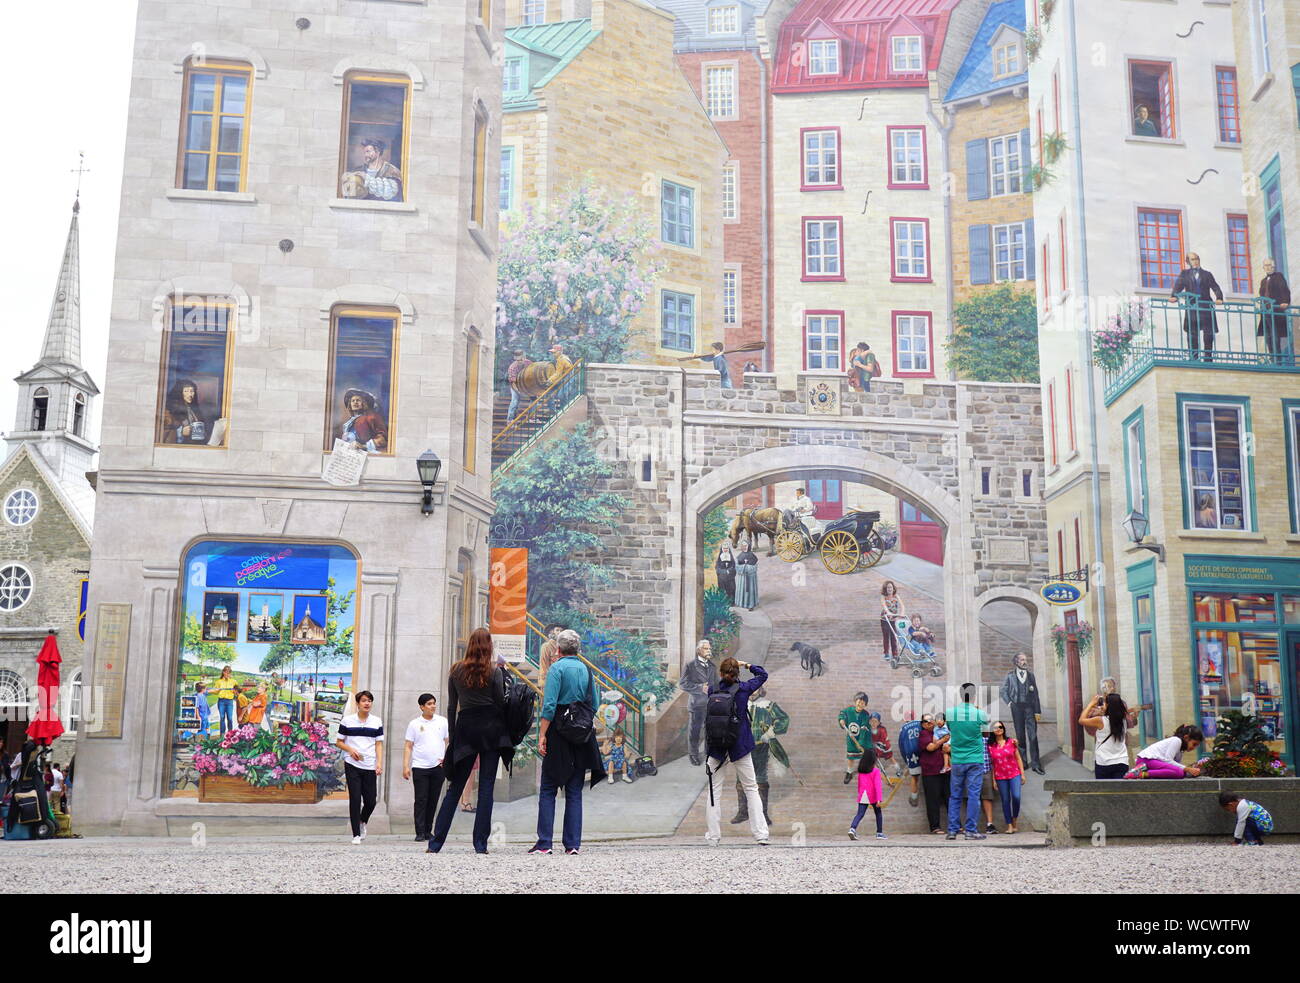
[(81, 519)]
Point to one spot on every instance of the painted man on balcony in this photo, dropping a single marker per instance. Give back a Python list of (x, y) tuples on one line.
[(1199, 317), (1275, 298)]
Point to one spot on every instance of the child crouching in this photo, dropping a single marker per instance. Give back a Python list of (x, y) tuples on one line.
[(1254, 822)]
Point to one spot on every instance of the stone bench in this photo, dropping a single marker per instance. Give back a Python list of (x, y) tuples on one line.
[(1154, 810)]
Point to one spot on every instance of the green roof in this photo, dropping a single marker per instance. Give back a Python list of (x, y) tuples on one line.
[(560, 42)]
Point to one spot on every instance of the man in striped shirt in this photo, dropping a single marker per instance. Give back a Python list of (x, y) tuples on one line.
[(361, 738)]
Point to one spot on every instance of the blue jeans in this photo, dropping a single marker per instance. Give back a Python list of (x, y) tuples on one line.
[(967, 780), (226, 708), (572, 811), (514, 405), (1009, 789)]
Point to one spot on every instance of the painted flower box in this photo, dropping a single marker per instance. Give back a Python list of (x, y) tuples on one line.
[(232, 788)]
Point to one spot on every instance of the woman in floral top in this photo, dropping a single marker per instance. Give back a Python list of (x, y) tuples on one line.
[(891, 607), (1006, 772)]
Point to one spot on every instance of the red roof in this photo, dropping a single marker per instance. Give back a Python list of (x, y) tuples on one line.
[(865, 28)]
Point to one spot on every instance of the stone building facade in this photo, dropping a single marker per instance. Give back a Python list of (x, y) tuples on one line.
[(343, 237), (700, 446)]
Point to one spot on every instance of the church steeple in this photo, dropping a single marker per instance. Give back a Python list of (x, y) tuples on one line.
[(63, 329)]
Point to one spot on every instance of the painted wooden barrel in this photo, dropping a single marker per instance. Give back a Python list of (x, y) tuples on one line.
[(533, 379)]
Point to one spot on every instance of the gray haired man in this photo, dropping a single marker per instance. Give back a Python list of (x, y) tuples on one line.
[(695, 681), (1020, 692)]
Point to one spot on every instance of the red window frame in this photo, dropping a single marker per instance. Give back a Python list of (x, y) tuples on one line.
[(839, 159), (1069, 408), (1168, 102), (804, 336), (1040, 134), (1047, 276), (1239, 252), (1056, 99), (803, 249), (1078, 546), (1228, 103), (1065, 270), (1060, 553), (893, 258), (924, 184), (1150, 229), (1051, 423), (893, 343)]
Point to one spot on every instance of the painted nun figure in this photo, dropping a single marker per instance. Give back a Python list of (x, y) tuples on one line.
[(726, 571), (747, 578)]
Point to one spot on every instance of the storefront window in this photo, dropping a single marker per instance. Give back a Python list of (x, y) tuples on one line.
[(1229, 607), (1291, 609), (282, 616), (1240, 671)]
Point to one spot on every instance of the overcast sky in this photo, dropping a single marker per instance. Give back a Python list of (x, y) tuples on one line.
[(65, 69)]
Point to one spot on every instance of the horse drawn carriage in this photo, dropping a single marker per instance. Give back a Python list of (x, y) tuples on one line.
[(849, 543)]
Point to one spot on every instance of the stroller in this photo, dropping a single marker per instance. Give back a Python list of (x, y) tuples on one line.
[(914, 654)]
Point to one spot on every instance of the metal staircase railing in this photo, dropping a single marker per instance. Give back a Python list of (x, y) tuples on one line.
[(528, 425)]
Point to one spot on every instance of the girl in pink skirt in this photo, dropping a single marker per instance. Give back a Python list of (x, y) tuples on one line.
[(1160, 760), (870, 791)]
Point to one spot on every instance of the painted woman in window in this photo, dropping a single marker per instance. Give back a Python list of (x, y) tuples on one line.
[(189, 421), (364, 428)]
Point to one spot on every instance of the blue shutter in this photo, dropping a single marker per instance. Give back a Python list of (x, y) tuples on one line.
[(1031, 251), (1026, 159), (977, 170), (1295, 84), (981, 259)]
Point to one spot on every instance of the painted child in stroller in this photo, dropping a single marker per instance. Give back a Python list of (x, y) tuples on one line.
[(912, 652)]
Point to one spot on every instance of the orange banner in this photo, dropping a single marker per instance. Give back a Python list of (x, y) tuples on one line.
[(508, 600)]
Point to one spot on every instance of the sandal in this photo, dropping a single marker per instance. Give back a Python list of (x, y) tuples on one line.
[(468, 809)]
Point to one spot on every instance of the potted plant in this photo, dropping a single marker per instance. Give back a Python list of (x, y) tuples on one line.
[(1047, 7), (1033, 43), (1054, 144), (1241, 750), (1037, 177), (289, 762), (1112, 343)]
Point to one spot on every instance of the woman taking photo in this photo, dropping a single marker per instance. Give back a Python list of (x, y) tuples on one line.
[(1107, 719), (1007, 772), (739, 754), (891, 607), (477, 723)]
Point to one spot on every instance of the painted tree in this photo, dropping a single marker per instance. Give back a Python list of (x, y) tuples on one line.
[(204, 654), (716, 528), (578, 272), (996, 336), (284, 656)]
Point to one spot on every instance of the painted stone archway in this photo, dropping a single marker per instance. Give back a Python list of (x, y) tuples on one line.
[(1043, 661)]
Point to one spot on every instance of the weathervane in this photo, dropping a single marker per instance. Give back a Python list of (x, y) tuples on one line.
[(79, 170)]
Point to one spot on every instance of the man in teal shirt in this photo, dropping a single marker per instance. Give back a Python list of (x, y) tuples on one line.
[(966, 724)]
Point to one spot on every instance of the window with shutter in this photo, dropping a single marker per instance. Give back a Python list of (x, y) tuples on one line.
[(979, 255), (977, 170)]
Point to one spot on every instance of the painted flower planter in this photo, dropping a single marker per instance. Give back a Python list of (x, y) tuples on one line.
[(231, 788)]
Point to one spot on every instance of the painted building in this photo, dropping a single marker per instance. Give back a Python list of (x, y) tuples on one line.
[(601, 97), (989, 157), (860, 243), (46, 513), (304, 290), (1141, 164)]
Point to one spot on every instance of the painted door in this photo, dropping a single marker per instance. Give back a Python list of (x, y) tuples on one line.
[(1289, 726), (828, 497), (1075, 707), (919, 535)]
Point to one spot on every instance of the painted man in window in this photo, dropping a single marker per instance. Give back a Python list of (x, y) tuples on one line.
[(187, 420), (378, 180), (1144, 125), (364, 428)]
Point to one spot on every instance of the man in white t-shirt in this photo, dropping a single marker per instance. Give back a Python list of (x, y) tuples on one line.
[(56, 787), (361, 738), (426, 743)]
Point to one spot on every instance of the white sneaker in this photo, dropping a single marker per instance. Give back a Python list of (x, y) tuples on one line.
[(356, 840), (627, 778), (363, 833), (611, 779)]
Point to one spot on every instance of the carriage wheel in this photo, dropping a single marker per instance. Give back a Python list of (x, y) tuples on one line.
[(789, 546), (839, 552), (873, 552)]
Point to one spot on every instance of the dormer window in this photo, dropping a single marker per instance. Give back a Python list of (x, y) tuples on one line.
[(724, 20), (1006, 60), (534, 12), (907, 55), (824, 57), (512, 77)]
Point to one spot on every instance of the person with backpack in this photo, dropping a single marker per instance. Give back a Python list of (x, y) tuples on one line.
[(728, 736), (567, 744), (476, 719)]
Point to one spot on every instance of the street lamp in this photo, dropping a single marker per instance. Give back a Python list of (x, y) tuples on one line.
[(428, 465), (1137, 525)]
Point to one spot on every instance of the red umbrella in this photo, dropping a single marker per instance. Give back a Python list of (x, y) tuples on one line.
[(46, 726)]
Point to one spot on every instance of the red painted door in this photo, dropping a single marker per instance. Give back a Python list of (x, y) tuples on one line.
[(828, 497), (919, 535), (1076, 685)]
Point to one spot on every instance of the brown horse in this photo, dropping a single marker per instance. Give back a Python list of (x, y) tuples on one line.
[(756, 522)]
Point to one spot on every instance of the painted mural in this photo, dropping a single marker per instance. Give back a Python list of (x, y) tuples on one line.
[(264, 665)]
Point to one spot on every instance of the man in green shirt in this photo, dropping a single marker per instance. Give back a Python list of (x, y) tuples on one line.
[(966, 722)]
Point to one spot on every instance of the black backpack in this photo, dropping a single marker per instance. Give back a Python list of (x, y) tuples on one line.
[(520, 707), (576, 721), (721, 722)]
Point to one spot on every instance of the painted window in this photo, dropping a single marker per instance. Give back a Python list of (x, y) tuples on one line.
[(534, 12), (730, 192), (40, 408), (1160, 244), (1006, 59), (1005, 165), (214, 127), (15, 586), (910, 238), (469, 444), (912, 344), (823, 341), (1135, 465), (720, 83), (821, 248), (730, 296), (724, 20), (1055, 457), (478, 164), (677, 321), (73, 704), (821, 158), (1292, 425), (906, 54), (1259, 33), (908, 166), (376, 117), (362, 365), (1151, 91), (512, 77), (21, 507), (194, 386), (824, 57), (1225, 88), (677, 208), (485, 13), (1274, 217), (13, 689), (1063, 249), (1145, 627), (1215, 461), (507, 200), (1069, 409), (1056, 100), (1009, 252), (79, 415), (1047, 275), (986, 480), (1239, 253)]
